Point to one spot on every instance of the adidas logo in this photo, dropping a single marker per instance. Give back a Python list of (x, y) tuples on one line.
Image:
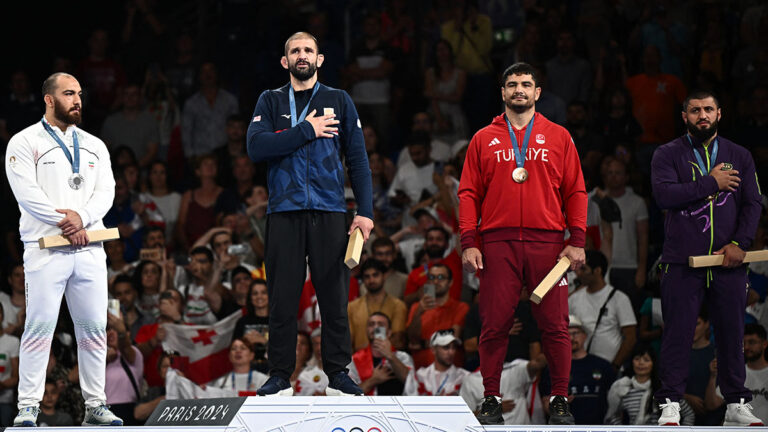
[(494, 142), (563, 282)]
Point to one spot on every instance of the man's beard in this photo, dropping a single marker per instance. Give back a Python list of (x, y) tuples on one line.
[(435, 252), (752, 357), (519, 108), (373, 290), (701, 134), (303, 75), (67, 117)]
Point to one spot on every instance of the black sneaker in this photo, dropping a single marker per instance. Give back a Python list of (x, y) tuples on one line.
[(340, 384), (490, 412), (275, 386), (559, 413)]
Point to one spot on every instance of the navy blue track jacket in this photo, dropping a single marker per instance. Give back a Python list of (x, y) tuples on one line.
[(305, 172)]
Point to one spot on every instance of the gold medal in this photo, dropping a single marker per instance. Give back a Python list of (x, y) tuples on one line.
[(520, 175)]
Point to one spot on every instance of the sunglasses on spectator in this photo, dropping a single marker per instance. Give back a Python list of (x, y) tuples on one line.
[(437, 277)]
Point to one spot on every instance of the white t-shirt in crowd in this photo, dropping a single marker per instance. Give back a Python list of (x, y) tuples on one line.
[(757, 383), (619, 313), (514, 385), (428, 381), (9, 348), (633, 210), (240, 384), (413, 180), (10, 311)]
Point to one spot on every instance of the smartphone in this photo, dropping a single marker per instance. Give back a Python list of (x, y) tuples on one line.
[(181, 260), (154, 254), (380, 333), (113, 307), (439, 167), (429, 290), (237, 249)]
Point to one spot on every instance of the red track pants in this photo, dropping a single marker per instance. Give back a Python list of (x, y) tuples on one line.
[(508, 265)]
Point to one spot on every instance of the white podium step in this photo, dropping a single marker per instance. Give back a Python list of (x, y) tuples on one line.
[(331, 414)]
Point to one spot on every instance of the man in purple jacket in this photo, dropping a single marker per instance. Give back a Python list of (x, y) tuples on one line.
[(708, 186)]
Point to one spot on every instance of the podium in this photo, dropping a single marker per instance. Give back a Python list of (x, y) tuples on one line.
[(314, 414)]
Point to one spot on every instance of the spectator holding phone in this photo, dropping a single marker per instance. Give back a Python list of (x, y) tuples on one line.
[(125, 367), (376, 299), (379, 369), (435, 310), (253, 327)]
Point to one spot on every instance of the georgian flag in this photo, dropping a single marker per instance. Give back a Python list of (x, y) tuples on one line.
[(203, 349)]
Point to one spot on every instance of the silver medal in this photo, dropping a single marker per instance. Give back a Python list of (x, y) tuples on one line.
[(76, 181)]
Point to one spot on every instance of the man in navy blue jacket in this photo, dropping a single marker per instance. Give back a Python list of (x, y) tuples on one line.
[(306, 221), (709, 188)]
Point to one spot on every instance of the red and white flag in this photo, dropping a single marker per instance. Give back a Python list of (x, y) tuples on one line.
[(203, 349)]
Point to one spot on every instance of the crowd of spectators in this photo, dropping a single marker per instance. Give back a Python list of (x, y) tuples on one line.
[(172, 103)]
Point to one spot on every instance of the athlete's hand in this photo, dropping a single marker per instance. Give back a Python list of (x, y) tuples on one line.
[(472, 260), (323, 125), (365, 224), (576, 255), (79, 239), (726, 180), (71, 223), (733, 256)]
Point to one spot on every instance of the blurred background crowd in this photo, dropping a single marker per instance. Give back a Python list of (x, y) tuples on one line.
[(170, 87)]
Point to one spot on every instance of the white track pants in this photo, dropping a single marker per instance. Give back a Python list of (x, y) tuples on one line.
[(82, 277)]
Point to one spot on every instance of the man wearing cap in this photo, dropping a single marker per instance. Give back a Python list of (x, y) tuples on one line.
[(441, 378), (379, 369), (521, 187), (709, 187), (430, 314), (591, 377)]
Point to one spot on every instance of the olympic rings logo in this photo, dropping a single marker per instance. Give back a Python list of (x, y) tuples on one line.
[(356, 429)]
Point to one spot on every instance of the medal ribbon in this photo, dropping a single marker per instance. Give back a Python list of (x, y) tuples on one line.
[(292, 100), (520, 153), (700, 161), (76, 162)]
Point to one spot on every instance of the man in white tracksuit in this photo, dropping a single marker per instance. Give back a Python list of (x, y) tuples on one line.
[(62, 179)]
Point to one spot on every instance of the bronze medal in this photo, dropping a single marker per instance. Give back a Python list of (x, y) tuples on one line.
[(520, 175)]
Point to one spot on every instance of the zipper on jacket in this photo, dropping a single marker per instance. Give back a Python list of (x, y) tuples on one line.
[(711, 221), (520, 233), (306, 179)]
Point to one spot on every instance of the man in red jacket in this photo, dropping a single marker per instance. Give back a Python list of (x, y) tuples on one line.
[(521, 187)]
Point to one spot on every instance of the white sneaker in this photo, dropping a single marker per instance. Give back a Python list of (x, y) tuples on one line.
[(27, 417), (100, 416), (740, 414), (670, 414)]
